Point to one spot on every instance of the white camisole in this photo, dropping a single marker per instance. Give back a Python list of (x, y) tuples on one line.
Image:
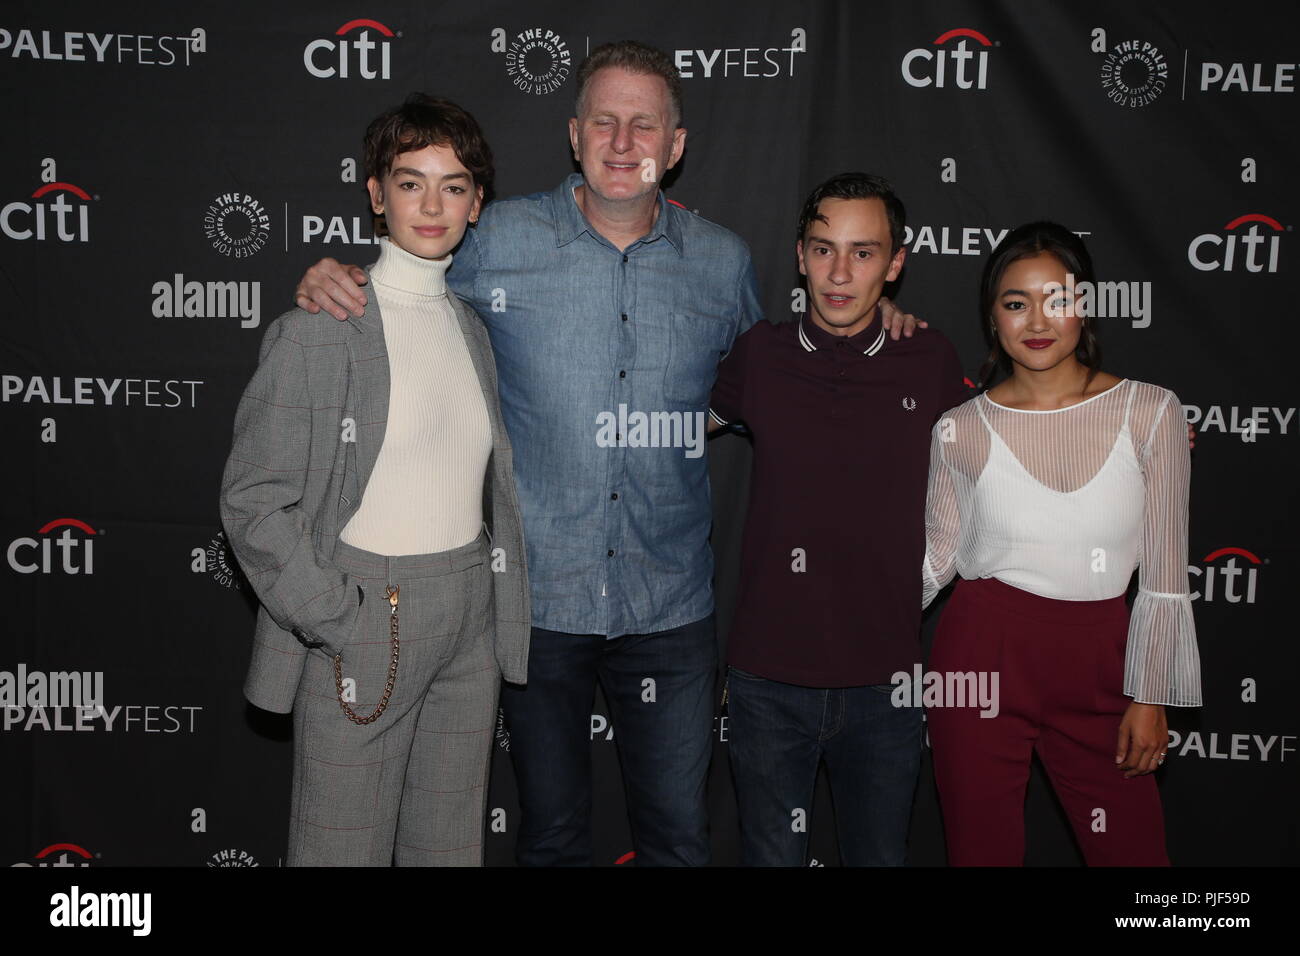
[(1065, 504)]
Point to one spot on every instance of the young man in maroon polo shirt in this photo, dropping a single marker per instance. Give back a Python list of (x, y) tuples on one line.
[(829, 604)]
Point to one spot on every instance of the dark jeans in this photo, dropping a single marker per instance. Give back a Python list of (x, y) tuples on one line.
[(664, 733), (779, 733)]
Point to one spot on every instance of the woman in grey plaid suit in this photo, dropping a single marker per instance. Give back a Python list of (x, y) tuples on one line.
[(370, 499)]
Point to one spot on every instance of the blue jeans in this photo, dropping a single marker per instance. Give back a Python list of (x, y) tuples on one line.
[(664, 734), (779, 733)]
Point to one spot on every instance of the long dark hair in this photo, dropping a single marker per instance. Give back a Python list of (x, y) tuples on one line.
[(1021, 243)]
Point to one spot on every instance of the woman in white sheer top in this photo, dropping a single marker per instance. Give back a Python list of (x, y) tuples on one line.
[(1046, 492)]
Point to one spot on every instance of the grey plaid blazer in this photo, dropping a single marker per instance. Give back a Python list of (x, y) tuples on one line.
[(292, 482)]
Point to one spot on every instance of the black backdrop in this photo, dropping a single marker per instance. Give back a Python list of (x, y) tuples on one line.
[(155, 145)]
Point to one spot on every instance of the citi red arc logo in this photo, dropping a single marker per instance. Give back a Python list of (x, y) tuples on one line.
[(923, 67), (51, 218), (1247, 241), (329, 59), (358, 24), (1255, 217), (63, 850), (33, 555), (963, 32), (1220, 581), (54, 187)]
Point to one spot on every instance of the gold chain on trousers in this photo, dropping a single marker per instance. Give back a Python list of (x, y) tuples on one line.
[(392, 667)]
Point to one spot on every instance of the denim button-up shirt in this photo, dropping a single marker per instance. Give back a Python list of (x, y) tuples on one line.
[(606, 358)]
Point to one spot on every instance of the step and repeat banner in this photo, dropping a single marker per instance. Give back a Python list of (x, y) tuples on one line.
[(169, 170)]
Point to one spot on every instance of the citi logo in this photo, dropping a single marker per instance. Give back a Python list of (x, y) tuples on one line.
[(77, 555), (1253, 248), (1221, 582), (327, 59), (81, 857), (924, 67), (55, 217)]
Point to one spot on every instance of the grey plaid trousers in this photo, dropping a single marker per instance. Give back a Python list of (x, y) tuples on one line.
[(410, 788)]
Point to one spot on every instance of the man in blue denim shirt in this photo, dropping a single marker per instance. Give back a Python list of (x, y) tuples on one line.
[(608, 309)]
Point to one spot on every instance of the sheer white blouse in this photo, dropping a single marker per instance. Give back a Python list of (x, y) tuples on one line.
[(1065, 504)]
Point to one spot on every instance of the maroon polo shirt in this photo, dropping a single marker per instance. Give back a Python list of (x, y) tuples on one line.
[(830, 589)]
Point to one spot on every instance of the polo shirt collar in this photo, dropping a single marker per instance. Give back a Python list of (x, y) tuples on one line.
[(570, 223), (869, 341)]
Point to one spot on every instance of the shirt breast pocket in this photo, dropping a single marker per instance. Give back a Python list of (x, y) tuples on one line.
[(696, 343)]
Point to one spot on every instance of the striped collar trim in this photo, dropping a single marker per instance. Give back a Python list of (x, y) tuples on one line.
[(872, 349)]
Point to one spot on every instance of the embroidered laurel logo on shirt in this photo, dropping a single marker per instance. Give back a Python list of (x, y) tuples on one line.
[(909, 403)]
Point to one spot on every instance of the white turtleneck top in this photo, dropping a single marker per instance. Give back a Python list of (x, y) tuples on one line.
[(1065, 504), (425, 493)]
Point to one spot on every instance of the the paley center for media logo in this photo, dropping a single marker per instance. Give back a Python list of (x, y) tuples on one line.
[(538, 60), (1134, 73), (237, 225)]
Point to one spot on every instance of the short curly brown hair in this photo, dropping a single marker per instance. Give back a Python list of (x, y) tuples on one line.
[(422, 121)]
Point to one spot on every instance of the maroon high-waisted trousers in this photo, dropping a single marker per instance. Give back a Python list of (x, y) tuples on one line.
[(1060, 667)]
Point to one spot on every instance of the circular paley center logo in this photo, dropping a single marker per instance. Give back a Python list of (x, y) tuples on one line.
[(1134, 73), (538, 61), (235, 857), (223, 570), (237, 225)]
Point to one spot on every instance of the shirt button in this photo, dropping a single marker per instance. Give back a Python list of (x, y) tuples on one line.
[(611, 553), (614, 496), (625, 260), (624, 316), (622, 373)]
